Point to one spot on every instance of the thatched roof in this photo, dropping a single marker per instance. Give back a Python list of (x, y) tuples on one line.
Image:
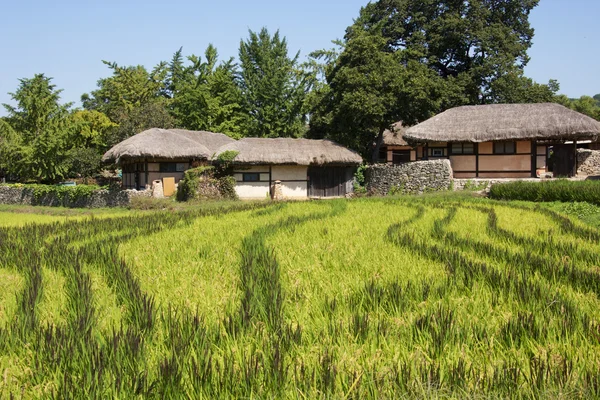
[(395, 135), (169, 144), (546, 121), (290, 151)]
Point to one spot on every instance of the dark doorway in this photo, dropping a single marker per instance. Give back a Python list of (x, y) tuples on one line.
[(400, 156), (328, 181), (563, 160)]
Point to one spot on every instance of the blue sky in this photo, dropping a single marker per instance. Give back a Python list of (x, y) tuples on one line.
[(67, 39)]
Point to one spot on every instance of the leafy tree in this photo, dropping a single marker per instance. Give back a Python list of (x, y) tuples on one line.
[(274, 86), (132, 98), (90, 128), (37, 131), (205, 96), (586, 105), (368, 89), (474, 42)]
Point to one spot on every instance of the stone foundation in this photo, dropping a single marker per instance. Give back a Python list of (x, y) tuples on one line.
[(99, 199), (588, 162), (411, 178)]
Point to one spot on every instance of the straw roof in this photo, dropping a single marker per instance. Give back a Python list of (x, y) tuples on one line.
[(395, 135), (290, 151), (484, 123), (168, 144)]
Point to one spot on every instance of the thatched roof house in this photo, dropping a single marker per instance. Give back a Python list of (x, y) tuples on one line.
[(155, 154), (496, 140), (292, 168), (167, 144), (485, 123), (288, 151)]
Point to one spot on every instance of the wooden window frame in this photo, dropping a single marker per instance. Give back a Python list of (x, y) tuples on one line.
[(462, 149), (503, 151), (430, 151), (246, 175)]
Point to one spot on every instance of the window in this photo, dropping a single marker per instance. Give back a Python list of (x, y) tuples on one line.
[(463, 148), (251, 177), (172, 167), (131, 168), (505, 147), (437, 152)]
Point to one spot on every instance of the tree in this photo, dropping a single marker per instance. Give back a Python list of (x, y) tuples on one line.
[(205, 96), (38, 130), (132, 98), (274, 86), (474, 43), (368, 89)]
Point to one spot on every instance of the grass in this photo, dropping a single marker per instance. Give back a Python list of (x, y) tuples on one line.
[(416, 297)]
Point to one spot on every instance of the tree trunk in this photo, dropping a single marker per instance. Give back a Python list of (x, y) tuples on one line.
[(378, 143)]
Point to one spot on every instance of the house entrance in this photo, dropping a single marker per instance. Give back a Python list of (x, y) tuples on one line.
[(327, 181), (563, 159)]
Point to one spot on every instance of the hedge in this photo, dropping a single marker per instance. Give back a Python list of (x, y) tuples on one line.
[(556, 190)]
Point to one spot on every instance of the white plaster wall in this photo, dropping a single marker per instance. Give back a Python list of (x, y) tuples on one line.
[(252, 190), (289, 172), (294, 190)]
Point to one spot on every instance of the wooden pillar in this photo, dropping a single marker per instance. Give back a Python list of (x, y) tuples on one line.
[(533, 158), (575, 156), (476, 145)]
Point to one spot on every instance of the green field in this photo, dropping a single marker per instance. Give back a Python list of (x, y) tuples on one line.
[(413, 297)]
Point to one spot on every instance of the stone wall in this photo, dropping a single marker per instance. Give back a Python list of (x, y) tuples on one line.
[(588, 162), (414, 177), (99, 199)]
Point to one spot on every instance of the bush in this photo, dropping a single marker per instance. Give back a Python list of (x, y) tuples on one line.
[(201, 183), (558, 190)]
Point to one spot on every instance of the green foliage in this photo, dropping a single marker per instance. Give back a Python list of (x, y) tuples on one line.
[(133, 99), (557, 190), (90, 128), (470, 44), (204, 95), (188, 187), (35, 144), (64, 194), (473, 186), (206, 182), (226, 185), (83, 162), (449, 286), (274, 87)]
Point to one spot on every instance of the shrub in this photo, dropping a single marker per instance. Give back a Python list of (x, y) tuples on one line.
[(558, 190), (204, 183)]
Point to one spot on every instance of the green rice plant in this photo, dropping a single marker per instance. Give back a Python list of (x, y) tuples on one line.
[(430, 297), (555, 190)]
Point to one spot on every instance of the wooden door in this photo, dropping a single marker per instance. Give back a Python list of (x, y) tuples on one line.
[(326, 181), (563, 159)]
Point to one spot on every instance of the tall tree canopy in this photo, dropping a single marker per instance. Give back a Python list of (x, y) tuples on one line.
[(133, 98), (205, 96), (274, 86), (416, 58), (473, 43), (368, 89), (35, 131)]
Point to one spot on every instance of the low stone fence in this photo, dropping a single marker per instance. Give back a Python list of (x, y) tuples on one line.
[(588, 162), (23, 195), (483, 184), (414, 177)]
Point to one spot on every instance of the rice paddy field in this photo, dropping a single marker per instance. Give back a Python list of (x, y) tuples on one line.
[(413, 297)]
